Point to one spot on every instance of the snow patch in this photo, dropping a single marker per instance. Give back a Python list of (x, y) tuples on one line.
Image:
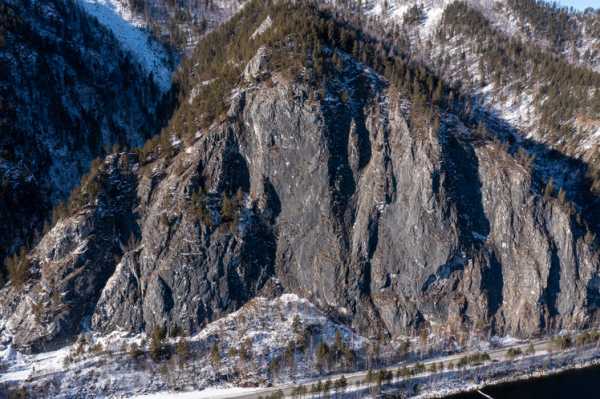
[(209, 393), (266, 24), (130, 33), (21, 367)]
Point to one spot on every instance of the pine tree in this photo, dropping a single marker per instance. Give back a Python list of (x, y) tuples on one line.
[(275, 367), (290, 357), (562, 196), (530, 349), (245, 350), (317, 388), (297, 325), (322, 356), (549, 190), (340, 385), (227, 210), (200, 206), (157, 350), (317, 58), (183, 351), (339, 342), (349, 357), (215, 356)]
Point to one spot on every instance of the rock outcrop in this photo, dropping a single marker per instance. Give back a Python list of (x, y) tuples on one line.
[(388, 225)]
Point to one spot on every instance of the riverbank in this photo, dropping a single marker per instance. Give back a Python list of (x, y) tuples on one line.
[(446, 376), (116, 372), (455, 384), (583, 381)]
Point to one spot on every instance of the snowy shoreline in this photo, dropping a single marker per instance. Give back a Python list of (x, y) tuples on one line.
[(517, 374), (514, 378)]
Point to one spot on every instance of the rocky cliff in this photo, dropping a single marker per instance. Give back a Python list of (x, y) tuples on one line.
[(339, 189), (390, 226)]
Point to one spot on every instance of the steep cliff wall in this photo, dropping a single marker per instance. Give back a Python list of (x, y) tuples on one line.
[(389, 226)]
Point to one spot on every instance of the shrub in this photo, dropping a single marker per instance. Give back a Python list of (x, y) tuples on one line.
[(134, 351), (18, 268), (513, 353), (215, 356), (562, 342), (199, 204), (245, 351), (96, 348), (588, 337), (157, 348), (530, 349)]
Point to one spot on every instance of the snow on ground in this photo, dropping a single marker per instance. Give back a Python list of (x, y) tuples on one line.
[(395, 10), (269, 324), (111, 371), (266, 24), (105, 364), (506, 340), (130, 33), (209, 393), (21, 367)]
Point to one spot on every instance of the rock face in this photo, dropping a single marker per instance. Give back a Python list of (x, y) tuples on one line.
[(391, 226), (258, 66), (72, 263)]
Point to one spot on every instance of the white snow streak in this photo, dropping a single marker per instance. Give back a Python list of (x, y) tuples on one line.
[(130, 33)]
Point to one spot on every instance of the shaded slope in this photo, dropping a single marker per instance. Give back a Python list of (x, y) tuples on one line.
[(69, 93)]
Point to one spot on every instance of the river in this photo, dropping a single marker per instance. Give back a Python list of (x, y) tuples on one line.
[(574, 384)]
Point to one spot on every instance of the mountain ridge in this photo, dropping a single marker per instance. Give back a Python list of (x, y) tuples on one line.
[(465, 215), (311, 154)]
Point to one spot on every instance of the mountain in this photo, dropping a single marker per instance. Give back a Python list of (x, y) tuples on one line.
[(69, 93), (359, 157), (528, 65), (133, 37)]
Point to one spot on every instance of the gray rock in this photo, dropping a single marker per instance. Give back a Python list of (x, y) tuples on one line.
[(389, 226), (258, 66)]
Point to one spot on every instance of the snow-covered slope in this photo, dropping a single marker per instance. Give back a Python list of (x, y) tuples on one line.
[(104, 365), (131, 33), (395, 10), (517, 103), (503, 15)]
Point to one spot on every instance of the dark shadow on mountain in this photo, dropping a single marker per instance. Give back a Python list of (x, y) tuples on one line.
[(493, 281), (462, 185), (567, 173)]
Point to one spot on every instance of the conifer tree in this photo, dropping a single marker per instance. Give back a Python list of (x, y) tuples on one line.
[(156, 348), (183, 351), (215, 356)]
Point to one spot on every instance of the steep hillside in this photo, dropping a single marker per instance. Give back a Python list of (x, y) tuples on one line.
[(68, 93), (542, 95), (155, 58), (565, 32), (179, 24), (532, 95), (545, 104), (574, 35), (306, 153)]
